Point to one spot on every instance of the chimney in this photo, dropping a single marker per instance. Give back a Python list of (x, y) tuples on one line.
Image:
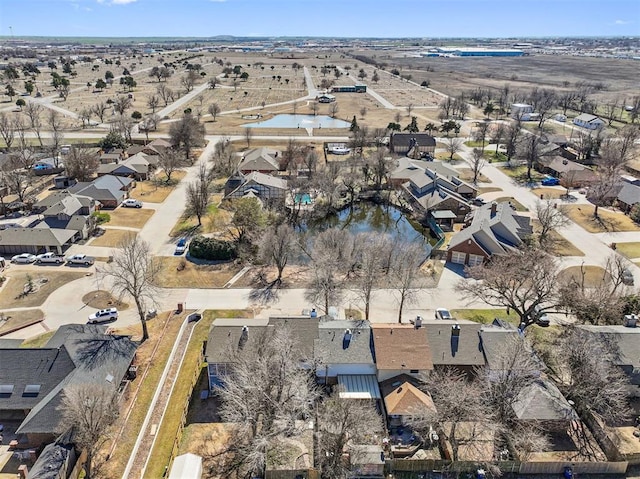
[(418, 322), (346, 340), (494, 208), (455, 330)]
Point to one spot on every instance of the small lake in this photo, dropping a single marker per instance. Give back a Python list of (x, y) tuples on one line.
[(300, 121), (369, 217)]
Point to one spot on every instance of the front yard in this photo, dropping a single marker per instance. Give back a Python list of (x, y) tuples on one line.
[(519, 173), (111, 238), (130, 217), (193, 275), (629, 250), (216, 220), (16, 320), (593, 275), (606, 222), (12, 294), (156, 191)]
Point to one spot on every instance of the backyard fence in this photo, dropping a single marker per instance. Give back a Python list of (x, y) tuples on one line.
[(297, 474)]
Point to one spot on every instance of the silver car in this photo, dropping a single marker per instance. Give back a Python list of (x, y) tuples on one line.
[(25, 258)]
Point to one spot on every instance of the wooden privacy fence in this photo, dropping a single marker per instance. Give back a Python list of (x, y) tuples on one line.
[(297, 474), (619, 467)]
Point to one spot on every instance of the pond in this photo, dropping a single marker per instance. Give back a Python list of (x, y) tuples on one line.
[(369, 217), (300, 121)]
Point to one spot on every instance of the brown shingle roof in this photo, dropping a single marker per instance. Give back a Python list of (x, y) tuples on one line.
[(401, 347), (404, 399)]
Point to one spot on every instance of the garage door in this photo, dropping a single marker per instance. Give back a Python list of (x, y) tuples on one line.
[(475, 259), (458, 257)]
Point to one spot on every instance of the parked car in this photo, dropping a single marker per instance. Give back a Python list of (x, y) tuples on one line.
[(25, 258), (627, 277), (49, 257), (181, 246), (132, 203), (80, 259), (442, 313), (340, 150), (193, 317), (541, 316), (478, 201), (103, 315), (550, 181), (43, 166)]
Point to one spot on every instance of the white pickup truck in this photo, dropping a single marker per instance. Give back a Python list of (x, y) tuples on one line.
[(49, 258), (81, 259)]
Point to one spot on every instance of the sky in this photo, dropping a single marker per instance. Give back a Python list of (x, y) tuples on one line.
[(323, 18)]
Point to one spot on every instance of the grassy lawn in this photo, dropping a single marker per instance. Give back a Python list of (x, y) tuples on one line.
[(630, 250), (475, 144), (444, 156), (156, 191), (194, 275), (101, 299), (466, 174), (38, 341), (593, 275), (607, 221), (549, 193), (151, 358), (519, 173), (216, 219), (20, 319), (518, 205), (483, 316), (111, 238), (169, 429), (130, 217), (557, 243), (10, 296)]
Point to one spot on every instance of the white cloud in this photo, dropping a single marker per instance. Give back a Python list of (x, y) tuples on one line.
[(217, 1), (122, 2), (622, 22)]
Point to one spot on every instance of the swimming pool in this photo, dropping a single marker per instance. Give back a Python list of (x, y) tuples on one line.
[(300, 121), (303, 199)]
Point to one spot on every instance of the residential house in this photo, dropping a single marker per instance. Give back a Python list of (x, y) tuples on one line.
[(108, 190), (226, 336), (403, 399), (400, 349), (116, 157), (495, 228), (627, 340), (343, 353), (268, 189), (408, 167), (628, 196), (263, 160), (429, 192), (454, 344), (402, 143), (326, 98), (57, 460), (541, 404), (367, 461), (137, 167), (64, 210), (36, 240), (34, 380), (521, 111), (149, 150), (570, 173), (591, 122)]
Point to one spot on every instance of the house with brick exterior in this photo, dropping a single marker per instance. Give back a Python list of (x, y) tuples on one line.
[(494, 228), (263, 160)]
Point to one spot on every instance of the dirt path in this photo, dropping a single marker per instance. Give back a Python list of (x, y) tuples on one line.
[(144, 445)]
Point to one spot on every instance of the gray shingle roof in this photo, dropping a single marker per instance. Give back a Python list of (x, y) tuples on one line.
[(260, 159), (404, 139), (447, 349), (58, 196), (629, 194), (334, 346), (542, 401), (38, 237), (626, 339)]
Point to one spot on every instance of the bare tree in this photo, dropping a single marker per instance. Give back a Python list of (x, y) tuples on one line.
[(188, 81), (133, 273), (248, 135), (89, 409), (601, 302), (530, 149), (54, 120), (333, 109), (477, 163), (512, 138), (458, 401), (550, 217), (405, 269), (100, 109), (81, 163), (213, 110), (7, 129), (18, 182), (409, 109), (265, 393), (224, 157), (170, 160), (33, 111), (381, 166), (277, 246), (198, 194), (153, 102), (523, 280), (371, 263), (314, 106), (453, 146), (343, 425), (165, 93), (187, 133), (121, 104), (497, 134)]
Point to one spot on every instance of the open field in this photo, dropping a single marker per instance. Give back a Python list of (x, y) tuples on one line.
[(484, 316), (593, 275), (629, 250), (130, 217), (111, 238), (11, 295), (607, 221), (193, 275)]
